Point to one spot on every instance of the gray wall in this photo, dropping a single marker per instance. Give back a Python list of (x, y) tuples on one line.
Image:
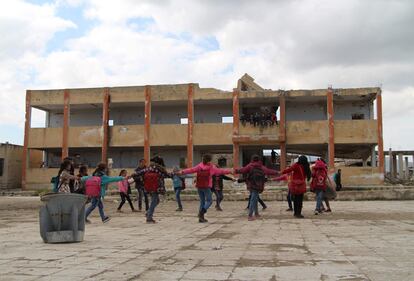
[(296, 111), (212, 113), (127, 115), (344, 111), (125, 157), (204, 113), (171, 156), (168, 114), (78, 118)]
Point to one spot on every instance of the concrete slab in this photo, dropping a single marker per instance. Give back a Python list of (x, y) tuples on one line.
[(364, 240)]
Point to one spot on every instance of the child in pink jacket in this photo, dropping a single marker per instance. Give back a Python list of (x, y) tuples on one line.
[(123, 191), (205, 172)]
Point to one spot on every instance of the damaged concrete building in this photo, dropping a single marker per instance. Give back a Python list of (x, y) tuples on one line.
[(182, 122)]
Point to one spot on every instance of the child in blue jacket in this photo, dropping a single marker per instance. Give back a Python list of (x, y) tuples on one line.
[(179, 185)]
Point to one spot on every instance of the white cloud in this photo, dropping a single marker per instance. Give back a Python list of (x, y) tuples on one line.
[(25, 30)]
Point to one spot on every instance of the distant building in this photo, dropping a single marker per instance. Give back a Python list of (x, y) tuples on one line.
[(182, 122), (11, 165)]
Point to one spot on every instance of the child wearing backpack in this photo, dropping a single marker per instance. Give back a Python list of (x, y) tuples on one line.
[(300, 172), (255, 174), (259, 200), (205, 170), (96, 189), (318, 183), (179, 185), (123, 191), (153, 177)]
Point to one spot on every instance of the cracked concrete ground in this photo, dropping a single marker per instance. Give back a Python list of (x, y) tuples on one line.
[(371, 240)]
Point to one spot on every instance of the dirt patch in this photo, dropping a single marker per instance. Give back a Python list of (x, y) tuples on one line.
[(242, 262), (219, 234), (361, 216), (189, 247), (351, 278), (286, 247)]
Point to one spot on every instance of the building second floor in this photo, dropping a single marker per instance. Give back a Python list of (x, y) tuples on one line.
[(213, 113)]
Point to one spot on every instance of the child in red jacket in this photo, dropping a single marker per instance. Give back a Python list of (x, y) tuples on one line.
[(205, 171), (153, 176), (300, 172), (255, 179), (318, 183)]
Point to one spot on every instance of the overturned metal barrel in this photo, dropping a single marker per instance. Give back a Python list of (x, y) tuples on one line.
[(62, 217)]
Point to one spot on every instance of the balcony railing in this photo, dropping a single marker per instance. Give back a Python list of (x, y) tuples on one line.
[(45, 138), (126, 135), (297, 132), (356, 131)]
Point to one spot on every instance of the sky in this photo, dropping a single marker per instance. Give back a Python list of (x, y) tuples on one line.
[(286, 44)]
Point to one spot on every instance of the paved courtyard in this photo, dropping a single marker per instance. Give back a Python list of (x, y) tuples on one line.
[(371, 240)]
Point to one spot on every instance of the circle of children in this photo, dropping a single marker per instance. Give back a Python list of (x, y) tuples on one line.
[(149, 180)]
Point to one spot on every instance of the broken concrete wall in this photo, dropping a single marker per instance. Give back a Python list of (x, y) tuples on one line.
[(345, 110), (298, 111), (11, 166), (360, 176), (11, 155)]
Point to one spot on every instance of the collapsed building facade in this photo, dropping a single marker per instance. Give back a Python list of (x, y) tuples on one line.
[(182, 122)]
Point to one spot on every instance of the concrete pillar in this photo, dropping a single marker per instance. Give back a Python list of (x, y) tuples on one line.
[(282, 132), (325, 155), (65, 129), (390, 159), (380, 139), (147, 124), (27, 122), (401, 166), (105, 126), (236, 119), (373, 157), (394, 165), (190, 125), (406, 174), (331, 128)]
